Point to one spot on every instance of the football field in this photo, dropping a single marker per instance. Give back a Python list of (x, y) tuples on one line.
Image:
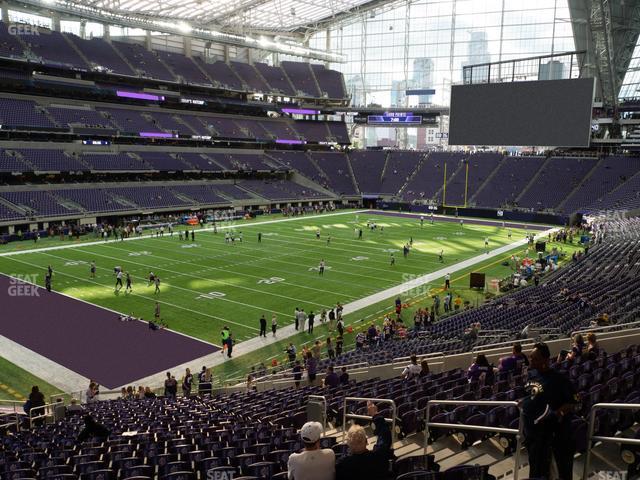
[(208, 283)]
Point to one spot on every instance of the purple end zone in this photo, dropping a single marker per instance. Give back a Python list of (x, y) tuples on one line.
[(467, 220), (88, 339)]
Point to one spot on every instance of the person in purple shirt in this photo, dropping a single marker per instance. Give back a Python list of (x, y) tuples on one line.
[(372, 333), (344, 377), (331, 380), (479, 368), (514, 361), (312, 368)]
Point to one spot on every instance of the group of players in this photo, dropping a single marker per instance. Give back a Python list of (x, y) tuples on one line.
[(124, 279)]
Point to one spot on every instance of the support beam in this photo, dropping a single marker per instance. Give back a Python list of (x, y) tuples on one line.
[(75, 9)]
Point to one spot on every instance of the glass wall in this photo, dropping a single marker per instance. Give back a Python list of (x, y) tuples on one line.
[(631, 84), (424, 44)]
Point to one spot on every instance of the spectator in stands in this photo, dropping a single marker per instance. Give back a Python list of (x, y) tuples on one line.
[(297, 373), (384, 443), (457, 303), (330, 350), (34, 406), (593, 349), (344, 377), (187, 381), (291, 352), (313, 463), (58, 410), (312, 367), (514, 361), (371, 333), (413, 369), (471, 333), (148, 393), (331, 379), (74, 408), (316, 350), (250, 385), (339, 345), (92, 392), (547, 418), (204, 381), (576, 351), (92, 429), (361, 463), (424, 368), (170, 386), (481, 370)]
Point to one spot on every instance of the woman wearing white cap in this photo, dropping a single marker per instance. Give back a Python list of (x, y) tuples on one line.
[(313, 463)]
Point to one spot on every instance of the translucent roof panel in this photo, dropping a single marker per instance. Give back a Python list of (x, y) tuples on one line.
[(271, 15), (630, 88)]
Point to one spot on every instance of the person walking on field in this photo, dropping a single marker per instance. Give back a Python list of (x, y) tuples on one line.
[(263, 326), (274, 324)]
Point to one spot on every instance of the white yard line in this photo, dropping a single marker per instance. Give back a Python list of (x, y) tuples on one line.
[(227, 268), (352, 307), (69, 381), (155, 299), (198, 277), (208, 229)]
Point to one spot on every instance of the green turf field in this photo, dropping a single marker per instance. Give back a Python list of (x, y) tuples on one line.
[(16, 383), (208, 283)]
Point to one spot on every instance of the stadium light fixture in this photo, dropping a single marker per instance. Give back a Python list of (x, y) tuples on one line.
[(185, 27)]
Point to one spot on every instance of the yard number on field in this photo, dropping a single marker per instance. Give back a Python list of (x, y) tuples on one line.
[(271, 281), (211, 295), (139, 254)]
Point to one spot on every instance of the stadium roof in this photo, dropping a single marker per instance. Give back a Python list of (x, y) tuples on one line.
[(266, 15)]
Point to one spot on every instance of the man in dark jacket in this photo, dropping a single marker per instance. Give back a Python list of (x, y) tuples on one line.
[(361, 463), (547, 415), (92, 429), (263, 326), (384, 444), (35, 405)]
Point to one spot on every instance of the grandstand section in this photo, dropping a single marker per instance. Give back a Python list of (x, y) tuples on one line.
[(220, 223)]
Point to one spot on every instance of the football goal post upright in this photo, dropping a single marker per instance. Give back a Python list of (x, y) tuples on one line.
[(444, 186), (466, 183)]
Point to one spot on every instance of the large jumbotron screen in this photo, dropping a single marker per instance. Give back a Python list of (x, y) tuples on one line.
[(555, 113)]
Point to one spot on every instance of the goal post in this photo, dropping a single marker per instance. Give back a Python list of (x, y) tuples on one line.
[(466, 187)]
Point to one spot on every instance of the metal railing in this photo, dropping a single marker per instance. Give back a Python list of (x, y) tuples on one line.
[(596, 438), (477, 428), (46, 412), (354, 368), (401, 362), (81, 395), (355, 416), (607, 328), (10, 413), (321, 399), (498, 345)]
